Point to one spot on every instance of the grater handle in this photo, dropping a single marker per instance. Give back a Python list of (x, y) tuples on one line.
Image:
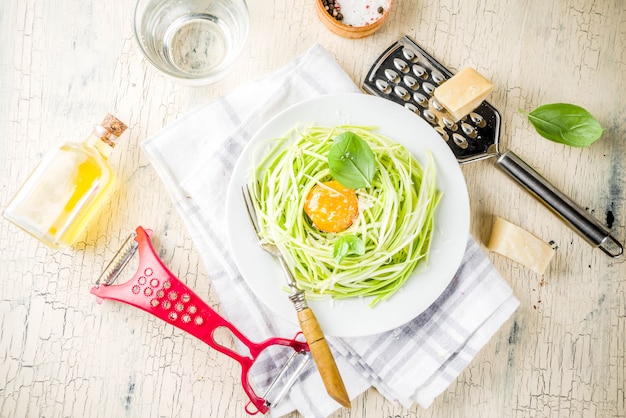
[(588, 227)]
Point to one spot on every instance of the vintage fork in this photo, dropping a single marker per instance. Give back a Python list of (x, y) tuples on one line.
[(311, 329)]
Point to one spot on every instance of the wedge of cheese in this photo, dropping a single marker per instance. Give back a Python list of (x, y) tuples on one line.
[(520, 246), (463, 92)]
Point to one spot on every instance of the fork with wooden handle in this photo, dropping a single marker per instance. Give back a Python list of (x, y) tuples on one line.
[(311, 329)]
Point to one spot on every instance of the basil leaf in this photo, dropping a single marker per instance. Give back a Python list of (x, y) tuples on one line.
[(351, 161), (566, 123), (346, 245)]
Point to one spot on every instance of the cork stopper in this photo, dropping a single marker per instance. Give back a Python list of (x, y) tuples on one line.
[(113, 125)]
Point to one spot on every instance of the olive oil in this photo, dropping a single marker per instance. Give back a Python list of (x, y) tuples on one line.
[(67, 188)]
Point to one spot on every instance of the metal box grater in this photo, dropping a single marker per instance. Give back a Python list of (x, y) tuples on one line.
[(406, 74)]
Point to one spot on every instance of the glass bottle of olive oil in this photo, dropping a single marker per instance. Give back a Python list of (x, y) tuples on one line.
[(67, 188)]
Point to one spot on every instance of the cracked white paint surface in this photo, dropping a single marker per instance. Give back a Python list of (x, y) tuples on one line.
[(66, 63)]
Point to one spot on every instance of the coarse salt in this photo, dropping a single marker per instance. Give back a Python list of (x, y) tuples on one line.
[(361, 12)]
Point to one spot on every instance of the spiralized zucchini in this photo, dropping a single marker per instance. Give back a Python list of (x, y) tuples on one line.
[(395, 221)]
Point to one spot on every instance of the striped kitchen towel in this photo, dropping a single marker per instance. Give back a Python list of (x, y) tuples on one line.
[(414, 363)]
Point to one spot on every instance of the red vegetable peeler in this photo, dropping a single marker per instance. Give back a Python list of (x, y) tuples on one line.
[(157, 291)]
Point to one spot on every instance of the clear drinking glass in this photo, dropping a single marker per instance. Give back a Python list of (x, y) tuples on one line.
[(195, 41)]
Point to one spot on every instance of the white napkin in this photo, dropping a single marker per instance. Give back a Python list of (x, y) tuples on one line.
[(411, 364)]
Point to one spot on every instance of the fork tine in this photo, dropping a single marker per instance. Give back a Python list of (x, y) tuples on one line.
[(247, 198)]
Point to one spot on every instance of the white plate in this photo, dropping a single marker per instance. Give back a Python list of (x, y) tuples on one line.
[(353, 317)]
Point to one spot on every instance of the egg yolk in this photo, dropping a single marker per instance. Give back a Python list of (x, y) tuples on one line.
[(331, 206)]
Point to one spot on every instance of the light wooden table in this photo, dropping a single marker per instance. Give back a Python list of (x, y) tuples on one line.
[(66, 63)]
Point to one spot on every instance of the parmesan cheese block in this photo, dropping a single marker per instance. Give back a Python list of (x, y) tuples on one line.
[(463, 92), (520, 246)]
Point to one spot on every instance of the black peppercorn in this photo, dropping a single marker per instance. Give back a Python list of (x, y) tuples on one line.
[(333, 9)]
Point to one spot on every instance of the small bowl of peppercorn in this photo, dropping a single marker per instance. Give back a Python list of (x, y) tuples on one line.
[(353, 18)]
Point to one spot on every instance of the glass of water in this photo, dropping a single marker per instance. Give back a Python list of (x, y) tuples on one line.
[(195, 41)]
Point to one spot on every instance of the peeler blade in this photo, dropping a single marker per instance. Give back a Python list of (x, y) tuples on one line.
[(119, 261), (287, 376)]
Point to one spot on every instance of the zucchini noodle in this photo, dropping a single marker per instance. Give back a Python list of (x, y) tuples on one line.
[(395, 221)]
